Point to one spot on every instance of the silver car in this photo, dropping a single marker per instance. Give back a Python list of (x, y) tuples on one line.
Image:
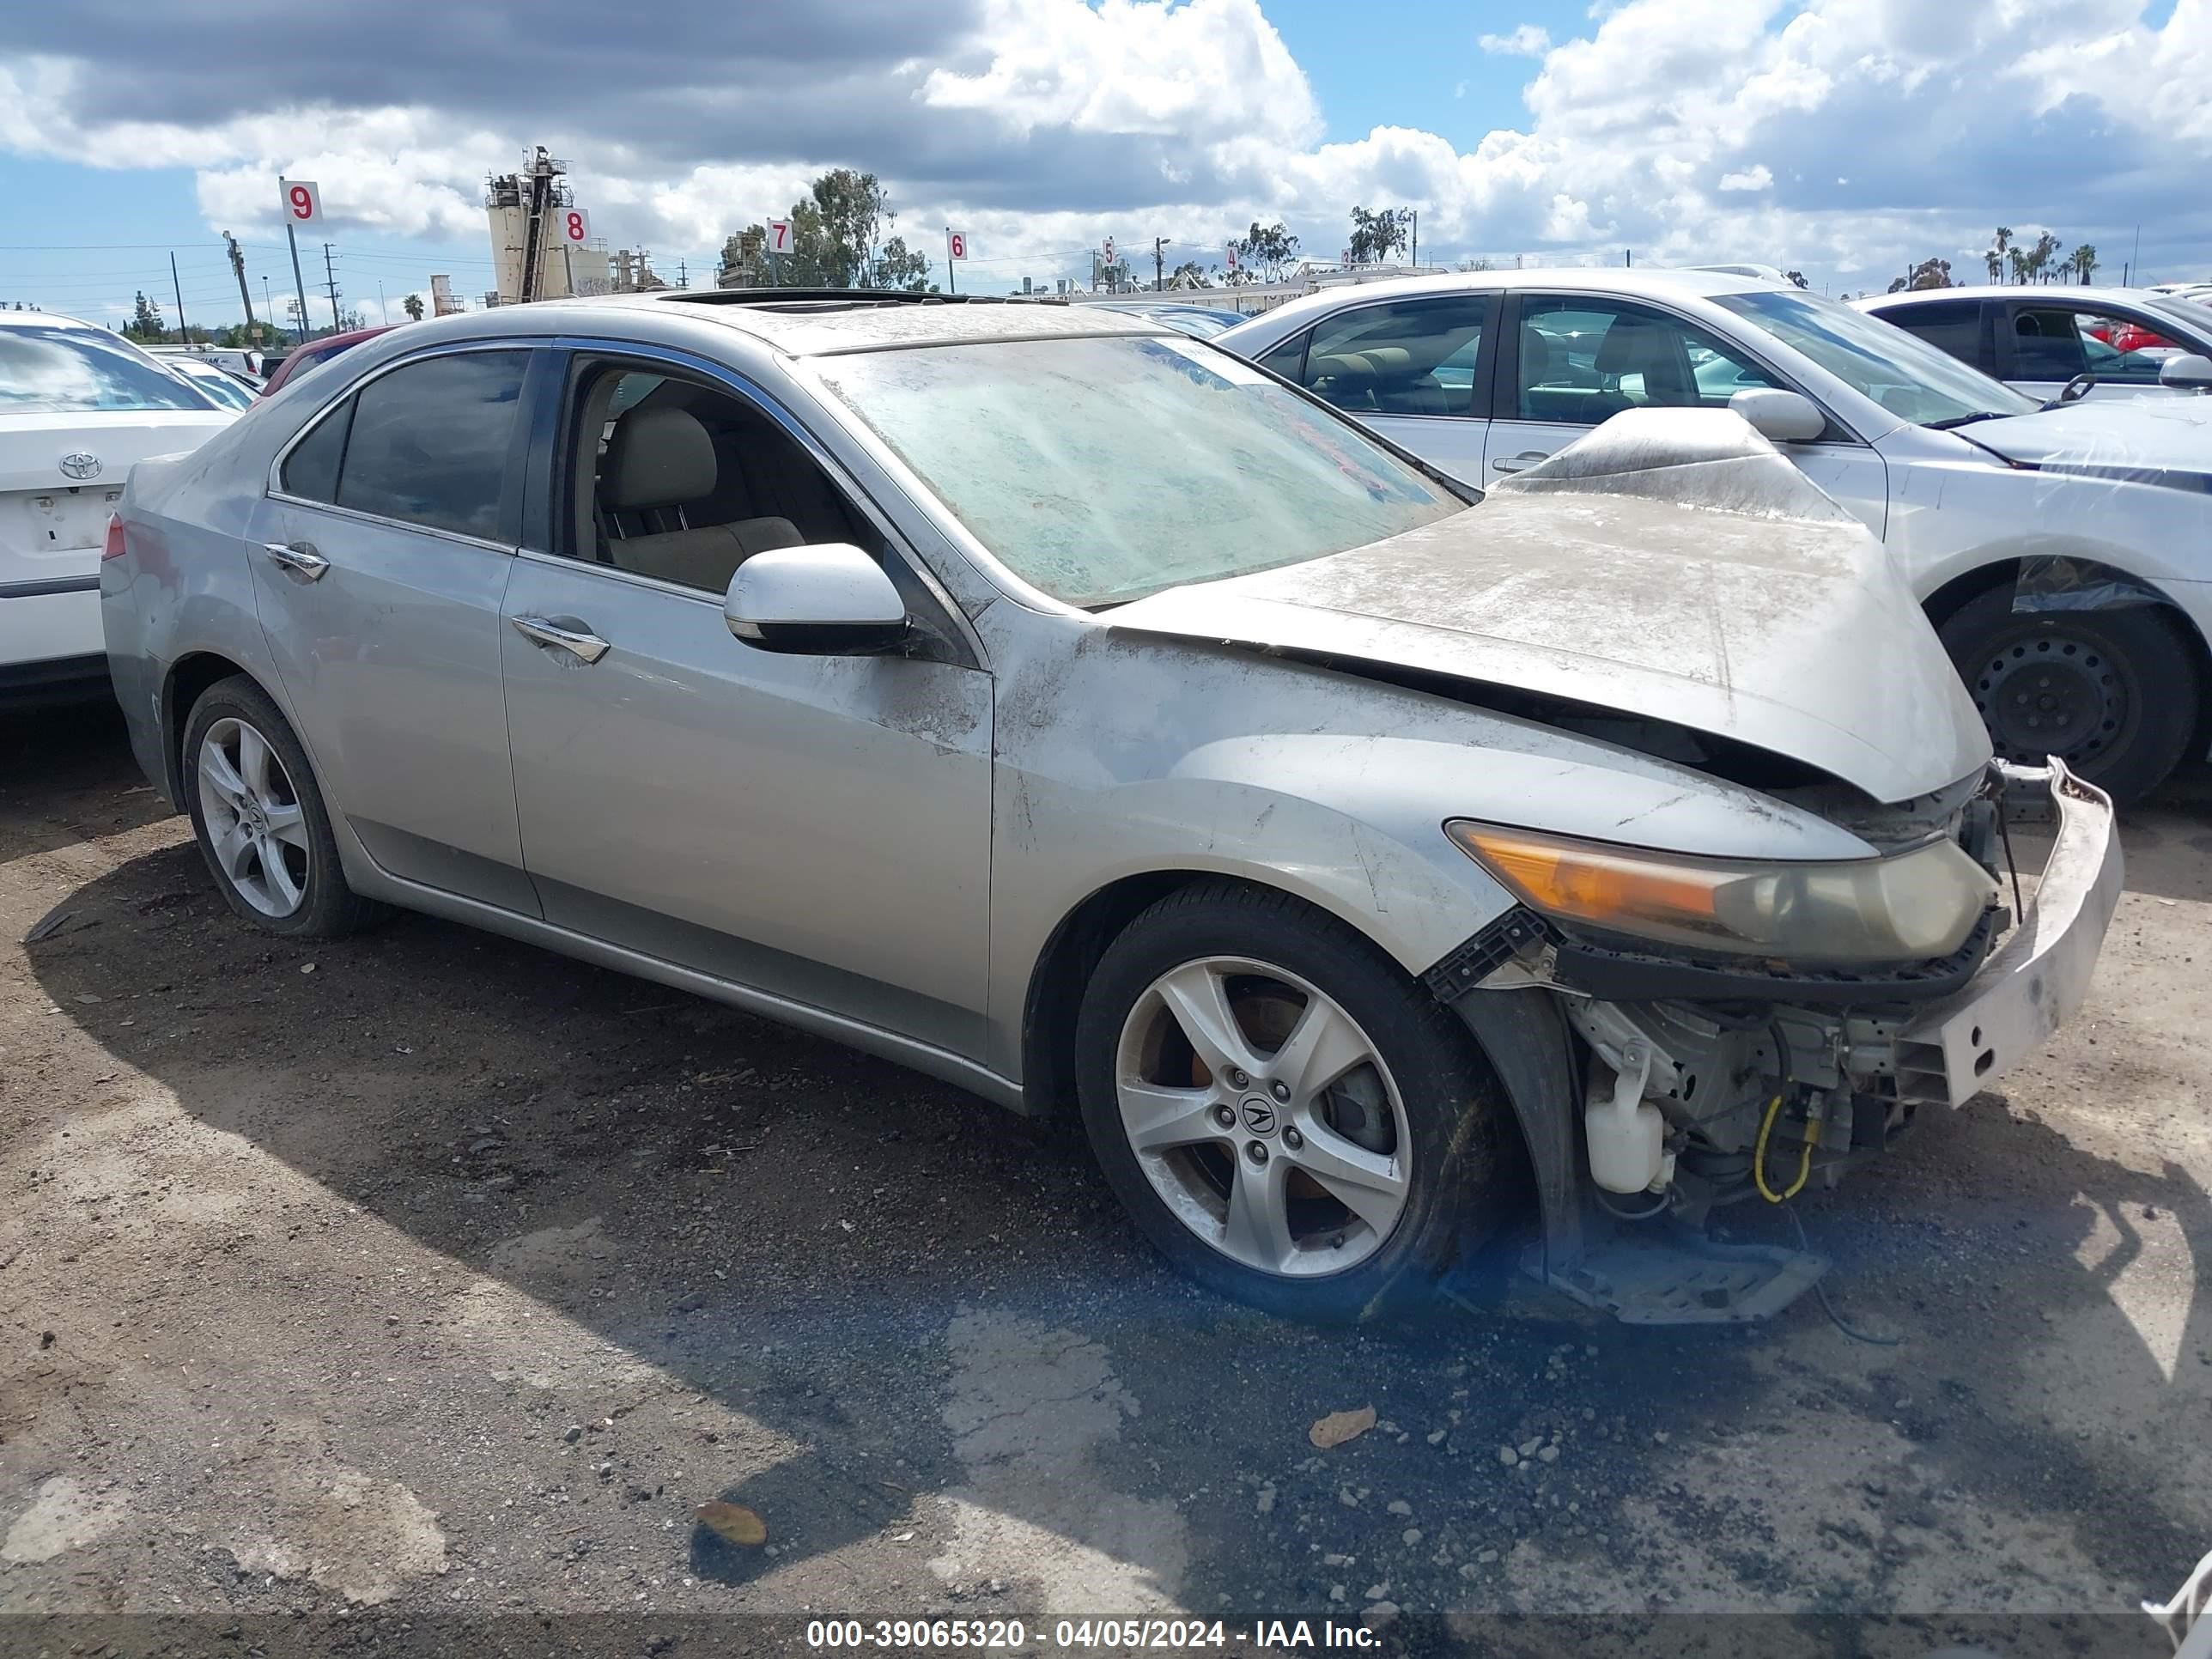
[(1061, 706), (2128, 343), (2065, 555)]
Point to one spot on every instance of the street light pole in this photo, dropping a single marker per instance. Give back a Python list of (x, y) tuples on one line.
[(1160, 264)]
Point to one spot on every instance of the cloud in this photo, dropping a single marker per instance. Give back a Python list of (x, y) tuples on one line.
[(1688, 129), (1527, 41)]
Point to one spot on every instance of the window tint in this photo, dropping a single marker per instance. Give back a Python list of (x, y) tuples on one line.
[(54, 370), (429, 442), (2046, 345), (1585, 361), (1412, 357), (311, 471), (1289, 359), (1950, 326), (2120, 350)]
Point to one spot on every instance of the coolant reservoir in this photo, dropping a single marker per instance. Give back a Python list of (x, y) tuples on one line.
[(1624, 1130)]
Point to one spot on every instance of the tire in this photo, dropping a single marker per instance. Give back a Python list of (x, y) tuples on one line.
[(2114, 694), (261, 823), (1420, 1108)]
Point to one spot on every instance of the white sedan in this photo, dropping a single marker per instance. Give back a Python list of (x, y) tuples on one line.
[(2064, 555), (78, 407)]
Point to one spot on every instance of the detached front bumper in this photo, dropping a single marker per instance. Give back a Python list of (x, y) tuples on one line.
[(2038, 976)]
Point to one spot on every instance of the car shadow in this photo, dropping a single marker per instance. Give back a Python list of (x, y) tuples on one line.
[(66, 776), (936, 1317)]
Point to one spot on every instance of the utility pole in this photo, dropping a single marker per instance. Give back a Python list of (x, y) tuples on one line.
[(299, 282), (1160, 264), (1416, 214), (245, 296), (2134, 259), (184, 337), (331, 274), (684, 273), (382, 312)]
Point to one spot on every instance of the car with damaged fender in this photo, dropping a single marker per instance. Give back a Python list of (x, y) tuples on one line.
[(1061, 706), (2065, 554)]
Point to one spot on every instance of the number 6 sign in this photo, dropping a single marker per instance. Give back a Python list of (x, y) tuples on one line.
[(779, 236), (303, 201), (575, 226)]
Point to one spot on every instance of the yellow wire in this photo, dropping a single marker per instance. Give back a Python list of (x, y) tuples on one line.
[(1759, 1156)]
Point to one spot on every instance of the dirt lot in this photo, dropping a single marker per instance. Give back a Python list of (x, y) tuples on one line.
[(346, 1289)]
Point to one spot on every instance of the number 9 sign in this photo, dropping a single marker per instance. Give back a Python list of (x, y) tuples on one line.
[(303, 201), (576, 226)]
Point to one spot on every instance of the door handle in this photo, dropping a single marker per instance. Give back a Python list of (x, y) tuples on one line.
[(1514, 462), (298, 559), (585, 648)]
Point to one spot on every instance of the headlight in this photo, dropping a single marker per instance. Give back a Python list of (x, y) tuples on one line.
[(1910, 907)]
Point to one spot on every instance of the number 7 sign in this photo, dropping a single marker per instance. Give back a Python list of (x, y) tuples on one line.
[(303, 201), (779, 236), (575, 226)]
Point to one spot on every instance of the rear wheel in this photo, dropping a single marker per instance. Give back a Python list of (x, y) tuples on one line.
[(1291, 1120), (2114, 693), (259, 818)]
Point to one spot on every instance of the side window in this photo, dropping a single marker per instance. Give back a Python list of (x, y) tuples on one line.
[(2121, 349), (1289, 359), (2046, 345), (430, 443), (1953, 327), (311, 471), (1410, 357), (1582, 362), (683, 481)]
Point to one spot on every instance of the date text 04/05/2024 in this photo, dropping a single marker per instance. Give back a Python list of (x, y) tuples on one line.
[(1080, 1634)]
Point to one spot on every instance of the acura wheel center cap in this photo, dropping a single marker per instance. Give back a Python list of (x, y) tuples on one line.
[(1259, 1113)]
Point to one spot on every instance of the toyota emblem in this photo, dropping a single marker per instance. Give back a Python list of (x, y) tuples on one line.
[(80, 465)]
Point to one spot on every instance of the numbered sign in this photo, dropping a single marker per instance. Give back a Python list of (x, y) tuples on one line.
[(1107, 247), (303, 201), (779, 236), (957, 241), (575, 226), (1232, 256)]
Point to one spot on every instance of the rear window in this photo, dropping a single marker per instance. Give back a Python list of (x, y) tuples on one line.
[(69, 370)]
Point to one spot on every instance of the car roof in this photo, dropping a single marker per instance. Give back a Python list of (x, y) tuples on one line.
[(47, 319), (2058, 293), (1655, 282)]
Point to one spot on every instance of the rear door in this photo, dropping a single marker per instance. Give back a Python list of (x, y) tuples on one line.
[(1414, 370), (379, 559), (2046, 343), (1964, 329), (1567, 362)]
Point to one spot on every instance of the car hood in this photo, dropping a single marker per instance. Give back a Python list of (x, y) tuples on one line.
[(2165, 441), (1671, 565)]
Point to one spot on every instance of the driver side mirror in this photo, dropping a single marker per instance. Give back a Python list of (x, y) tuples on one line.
[(827, 600), (1779, 417), (2187, 373)]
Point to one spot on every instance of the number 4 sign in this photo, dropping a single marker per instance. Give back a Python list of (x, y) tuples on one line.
[(575, 226), (303, 201), (779, 236)]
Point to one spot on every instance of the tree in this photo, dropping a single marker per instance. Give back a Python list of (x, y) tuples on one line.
[(1931, 273), (897, 267), (1265, 251), (834, 232), (1377, 235), (1797, 278), (1896, 285), (1188, 274), (412, 305), (1995, 258), (2084, 260), (146, 324)]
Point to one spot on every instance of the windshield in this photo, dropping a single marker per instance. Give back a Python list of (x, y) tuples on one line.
[(219, 386), (1104, 469), (63, 370), (1908, 377), (2189, 314)]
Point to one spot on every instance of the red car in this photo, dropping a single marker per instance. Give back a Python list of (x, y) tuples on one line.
[(316, 351)]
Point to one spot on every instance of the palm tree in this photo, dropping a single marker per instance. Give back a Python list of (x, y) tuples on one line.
[(2040, 256), (1995, 260), (2084, 260)]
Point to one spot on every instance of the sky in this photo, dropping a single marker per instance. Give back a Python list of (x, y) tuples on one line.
[(1847, 139)]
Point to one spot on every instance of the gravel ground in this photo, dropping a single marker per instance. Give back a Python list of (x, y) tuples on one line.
[(346, 1289)]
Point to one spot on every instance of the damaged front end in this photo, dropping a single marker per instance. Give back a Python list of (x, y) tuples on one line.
[(1713, 1078)]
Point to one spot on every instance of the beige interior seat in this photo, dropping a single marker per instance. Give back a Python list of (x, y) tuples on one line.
[(659, 461)]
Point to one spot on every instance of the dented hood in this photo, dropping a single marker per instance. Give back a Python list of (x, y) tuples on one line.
[(1671, 565)]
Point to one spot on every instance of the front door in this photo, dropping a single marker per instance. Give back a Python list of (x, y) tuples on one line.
[(816, 827), (2049, 342), (379, 560), (1410, 370), (1577, 360)]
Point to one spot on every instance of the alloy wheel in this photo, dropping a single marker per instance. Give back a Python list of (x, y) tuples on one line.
[(254, 823), (1264, 1116)]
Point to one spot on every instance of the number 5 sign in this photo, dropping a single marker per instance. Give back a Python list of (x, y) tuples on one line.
[(779, 236), (575, 226), (303, 201)]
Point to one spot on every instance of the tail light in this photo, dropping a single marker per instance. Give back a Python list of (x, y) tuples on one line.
[(114, 549)]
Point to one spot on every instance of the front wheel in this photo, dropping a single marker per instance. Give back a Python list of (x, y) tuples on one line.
[(2113, 693), (1288, 1117)]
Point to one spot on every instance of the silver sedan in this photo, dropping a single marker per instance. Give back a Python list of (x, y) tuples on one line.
[(1061, 706)]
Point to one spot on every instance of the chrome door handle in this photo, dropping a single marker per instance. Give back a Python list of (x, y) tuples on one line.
[(298, 559), (1514, 462), (586, 648)]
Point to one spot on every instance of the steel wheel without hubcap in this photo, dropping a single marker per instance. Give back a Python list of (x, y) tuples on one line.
[(2044, 693), (255, 827), (1263, 1116)]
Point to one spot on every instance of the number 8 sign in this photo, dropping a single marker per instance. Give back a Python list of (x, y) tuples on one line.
[(576, 225), (303, 201)]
